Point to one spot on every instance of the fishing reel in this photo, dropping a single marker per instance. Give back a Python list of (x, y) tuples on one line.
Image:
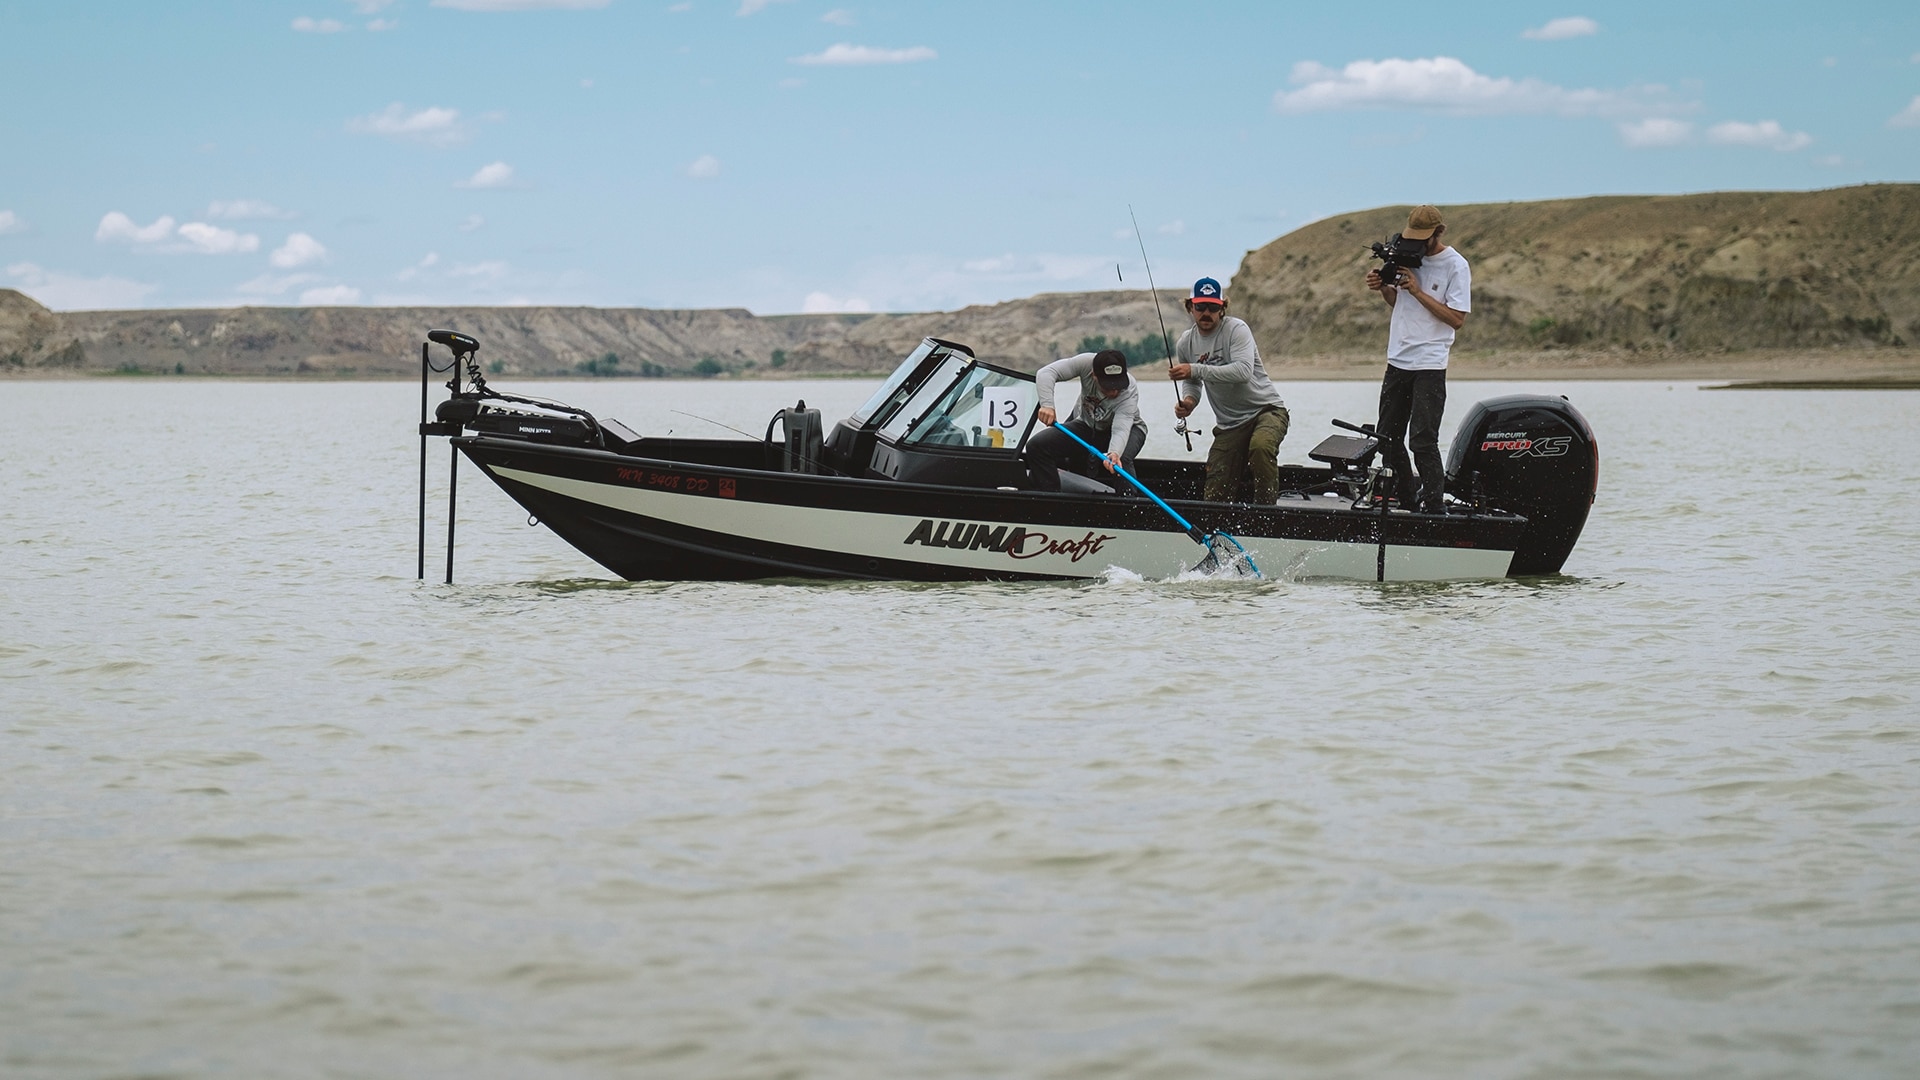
[(1181, 429)]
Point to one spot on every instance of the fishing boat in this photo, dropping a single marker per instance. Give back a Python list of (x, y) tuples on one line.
[(924, 482)]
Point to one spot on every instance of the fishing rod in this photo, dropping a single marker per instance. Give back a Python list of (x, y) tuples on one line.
[(1210, 541), (1166, 342), (714, 422)]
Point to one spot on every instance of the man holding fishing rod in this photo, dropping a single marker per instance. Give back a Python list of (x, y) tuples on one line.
[(1218, 353), (1108, 414)]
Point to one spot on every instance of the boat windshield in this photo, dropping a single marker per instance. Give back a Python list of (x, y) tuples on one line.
[(879, 404), (983, 407), (931, 389)]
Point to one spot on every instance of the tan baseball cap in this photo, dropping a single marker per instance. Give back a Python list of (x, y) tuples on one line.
[(1422, 222)]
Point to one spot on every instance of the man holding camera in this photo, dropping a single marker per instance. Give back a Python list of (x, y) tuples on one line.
[(1429, 304), (1218, 353)]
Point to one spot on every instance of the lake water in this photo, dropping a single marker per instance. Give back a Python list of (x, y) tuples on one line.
[(271, 808)]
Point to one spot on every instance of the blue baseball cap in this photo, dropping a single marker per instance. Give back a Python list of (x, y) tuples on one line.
[(1207, 291)]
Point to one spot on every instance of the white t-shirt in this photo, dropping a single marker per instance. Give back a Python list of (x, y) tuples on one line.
[(1416, 341)]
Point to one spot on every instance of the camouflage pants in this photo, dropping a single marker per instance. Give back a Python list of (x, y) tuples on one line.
[(1252, 447)]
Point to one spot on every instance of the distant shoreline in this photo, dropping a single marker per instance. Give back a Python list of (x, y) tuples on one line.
[(1889, 367)]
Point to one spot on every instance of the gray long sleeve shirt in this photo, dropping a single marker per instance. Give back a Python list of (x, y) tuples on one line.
[(1116, 416), (1227, 362)]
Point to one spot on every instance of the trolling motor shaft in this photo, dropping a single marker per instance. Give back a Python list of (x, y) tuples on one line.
[(463, 348)]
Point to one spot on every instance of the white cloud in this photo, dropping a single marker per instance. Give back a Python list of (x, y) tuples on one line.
[(369, 7), (1176, 227), (413, 271), (704, 167), (1767, 134), (473, 222), (118, 226), (683, 6), (329, 296), (247, 210), (433, 124), (318, 26), (1909, 116), (748, 7), (273, 284), (1572, 26), (927, 282), (497, 175), (299, 250), (10, 223), (204, 239), (196, 237), (378, 25), (851, 55), (489, 271), (520, 5), (1830, 161), (838, 17), (791, 84), (1444, 84), (70, 292), (1038, 267), (819, 303), (1656, 131)]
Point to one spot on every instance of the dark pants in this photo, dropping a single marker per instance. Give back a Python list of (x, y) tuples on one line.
[(1047, 451), (1410, 406)]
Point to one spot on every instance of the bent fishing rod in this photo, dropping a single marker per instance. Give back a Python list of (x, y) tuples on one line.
[(1180, 423)]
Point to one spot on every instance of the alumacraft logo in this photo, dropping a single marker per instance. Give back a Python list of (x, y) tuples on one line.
[(1009, 540), (1521, 445)]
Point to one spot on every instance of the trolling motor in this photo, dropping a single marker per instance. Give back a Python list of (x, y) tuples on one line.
[(485, 410), (463, 348)]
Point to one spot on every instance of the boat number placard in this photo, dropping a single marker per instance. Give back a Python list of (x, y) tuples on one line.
[(1006, 413)]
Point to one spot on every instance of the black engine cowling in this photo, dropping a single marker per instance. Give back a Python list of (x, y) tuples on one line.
[(1531, 455)]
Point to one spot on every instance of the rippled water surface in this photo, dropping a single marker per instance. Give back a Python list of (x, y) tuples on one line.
[(269, 807)]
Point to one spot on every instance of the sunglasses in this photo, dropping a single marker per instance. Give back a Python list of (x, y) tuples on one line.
[(1206, 305)]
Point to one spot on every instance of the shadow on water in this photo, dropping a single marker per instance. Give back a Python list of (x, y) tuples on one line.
[(1404, 594)]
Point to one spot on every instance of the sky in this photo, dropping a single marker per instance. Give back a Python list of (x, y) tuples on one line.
[(844, 155)]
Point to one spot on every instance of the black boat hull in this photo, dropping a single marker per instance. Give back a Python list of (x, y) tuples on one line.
[(657, 519)]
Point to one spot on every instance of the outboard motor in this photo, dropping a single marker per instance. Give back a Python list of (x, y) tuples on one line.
[(806, 440), (1530, 455)]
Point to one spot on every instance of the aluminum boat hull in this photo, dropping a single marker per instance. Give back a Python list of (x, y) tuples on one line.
[(659, 519)]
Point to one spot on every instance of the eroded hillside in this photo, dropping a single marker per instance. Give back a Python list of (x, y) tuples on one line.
[(1688, 273)]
